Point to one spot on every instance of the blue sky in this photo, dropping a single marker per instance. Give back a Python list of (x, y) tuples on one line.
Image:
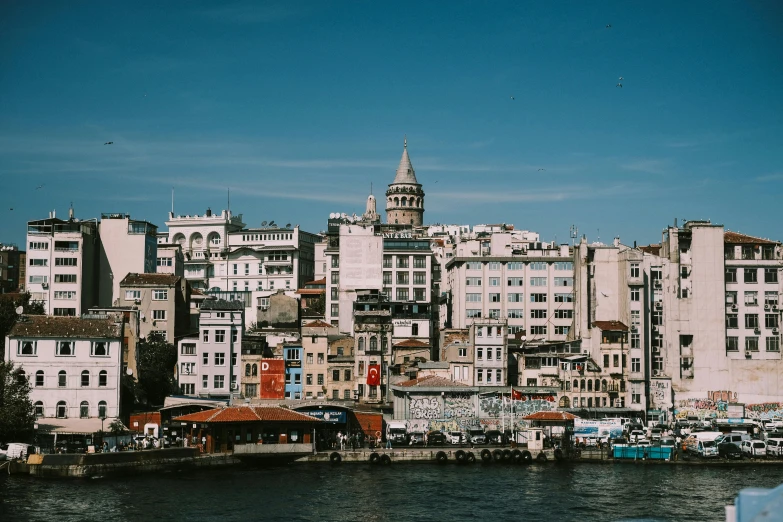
[(299, 106)]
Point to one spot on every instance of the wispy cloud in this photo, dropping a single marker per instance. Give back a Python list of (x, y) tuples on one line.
[(777, 176), (650, 166), (541, 195)]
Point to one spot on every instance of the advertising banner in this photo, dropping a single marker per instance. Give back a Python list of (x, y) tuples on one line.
[(272, 379)]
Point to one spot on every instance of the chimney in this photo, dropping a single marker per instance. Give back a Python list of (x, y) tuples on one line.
[(675, 222), (209, 212), (54, 213), (634, 244)]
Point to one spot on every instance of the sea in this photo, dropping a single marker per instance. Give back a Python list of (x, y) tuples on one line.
[(398, 492)]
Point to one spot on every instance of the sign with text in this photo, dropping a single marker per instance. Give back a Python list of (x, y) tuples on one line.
[(272, 379), (335, 416)]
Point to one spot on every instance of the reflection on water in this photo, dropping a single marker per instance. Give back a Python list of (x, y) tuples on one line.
[(416, 492)]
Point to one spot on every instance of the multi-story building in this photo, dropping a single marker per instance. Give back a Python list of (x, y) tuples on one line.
[(22, 271), (126, 246), (292, 355), (491, 360), (221, 255), (170, 260), (254, 350), (340, 374), (9, 269), (163, 303), (221, 327), (73, 366), (502, 275), (372, 334), (315, 345), (62, 262), (456, 349)]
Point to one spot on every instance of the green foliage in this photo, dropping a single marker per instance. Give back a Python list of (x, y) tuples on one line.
[(17, 415), (116, 427), (156, 362), (8, 316), (318, 306)]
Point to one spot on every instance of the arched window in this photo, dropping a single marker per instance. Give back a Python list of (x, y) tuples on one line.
[(603, 385), (384, 344), (39, 409), (582, 385), (247, 370), (404, 201), (589, 402), (589, 385), (62, 410), (102, 378), (85, 378), (255, 370), (361, 344), (396, 202), (564, 402), (84, 410), (179, 238), (102, 409), (39, 378), (597, 385), (214, 239), (576, 384), (61, 379), (373, 343)]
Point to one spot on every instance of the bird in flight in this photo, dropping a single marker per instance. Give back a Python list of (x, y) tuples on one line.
[(608, 26), (109, 143), (541, 170), (512, 97), (39, 187), (620, 85), (621, 78)]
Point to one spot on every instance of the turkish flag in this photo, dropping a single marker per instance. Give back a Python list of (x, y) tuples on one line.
[(374, 375), (517, 396)]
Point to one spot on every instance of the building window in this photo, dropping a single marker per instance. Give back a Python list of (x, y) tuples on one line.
[(27, 348), (402, 278), (220, 336), (402, 294), (67, 295), (402, 261), (164, 261), (751, 321), (538, 298), (84, 410), (472, 281), (773, 344), (494, 298), (102, 409), (635, 341), (732, 321), (387, 262), (205, 359), (516, 298), (160, 295), (309, 379), (473, 313), (751, 298), (636, 364), (85, 378), (205, 381), (320, 379), (732, 344), (516, 313), (770, 320), (751, 275), (751, 344), (100, 348), (538, 330), (220, 358), (65, 348), (419, 294), (373, 344), (616, 361), (770, 275), (635, 270), (562, 330), (39, 378), (159, 315), (494, 281), (537, 314), (189, 349), (102, 378), (731, 275), (62, 410), (39, 409), (538, 281), (563, 281), (564, 314), (132, 295), (335, 309), (65, 312), (219, 382), (635, 294)]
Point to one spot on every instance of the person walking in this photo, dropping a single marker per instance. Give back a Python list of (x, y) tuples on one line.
[(388, 443)]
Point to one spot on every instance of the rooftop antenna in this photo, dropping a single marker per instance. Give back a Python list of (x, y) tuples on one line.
[(172, 200), (599, 234)]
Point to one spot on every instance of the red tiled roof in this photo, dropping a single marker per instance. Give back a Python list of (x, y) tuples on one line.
[(321, 281), (412, 343), (550, 416), (430, 381), (742, 239), (318, 324), (654, 249), (247, 414), (611, 326), (196, 291), (149, 279), (311, 291)]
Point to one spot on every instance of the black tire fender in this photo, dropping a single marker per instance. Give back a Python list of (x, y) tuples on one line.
[(460, 455), (516, 456), (558, 454), (506, 455), (541, 457), (527, 457), (486, 455), (385, 459), (374, 458), (335, 458), (497, 455), (470, 457), (441, 457)]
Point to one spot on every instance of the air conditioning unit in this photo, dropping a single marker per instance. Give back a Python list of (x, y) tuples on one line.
[(137, 301), (44, 285), (775, 307), (775, 330), (766, 307), (235, 386), (757, 330), (657, 373), (633, 328), (618, 403), (658, 304), (748, 354), (734, 307)]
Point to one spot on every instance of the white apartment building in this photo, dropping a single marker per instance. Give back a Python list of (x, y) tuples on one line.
[(221, 255), (170, 260), (491, 351), (496, 276), (62, 264), (214, 372), (126, 246), (73, 365)]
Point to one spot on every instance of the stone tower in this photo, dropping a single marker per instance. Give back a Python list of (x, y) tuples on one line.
[(404, 197)]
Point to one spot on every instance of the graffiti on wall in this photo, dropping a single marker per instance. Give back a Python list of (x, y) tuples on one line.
[(457, 405), (495, 407), (424, 408), (715, 405), (764, 411), (661, 394)]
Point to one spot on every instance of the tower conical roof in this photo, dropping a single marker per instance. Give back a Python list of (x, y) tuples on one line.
[(405, 173)]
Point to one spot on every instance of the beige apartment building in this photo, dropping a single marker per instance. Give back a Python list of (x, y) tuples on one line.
[(163, 302)]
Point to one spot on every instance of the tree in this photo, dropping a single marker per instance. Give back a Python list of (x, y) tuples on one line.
[(156, 363), (17, 415), (8, 315)]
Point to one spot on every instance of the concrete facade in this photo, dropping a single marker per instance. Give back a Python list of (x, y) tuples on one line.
[(162, 301)]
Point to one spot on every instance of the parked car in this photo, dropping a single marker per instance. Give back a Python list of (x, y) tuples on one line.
[(656, 433), (667, 442), (436, 438), (477, 436), (416, 438), (456, 437), (775, 447), (754, 448), (495, 437), (736, 438), (636, 435), (643, 443), (729, 450)]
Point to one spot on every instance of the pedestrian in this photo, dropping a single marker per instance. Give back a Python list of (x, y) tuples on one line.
[(388, 443), (426, 439)]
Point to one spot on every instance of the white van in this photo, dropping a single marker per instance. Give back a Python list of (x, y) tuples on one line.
[(774, 447), (702, 448), (734, 437)]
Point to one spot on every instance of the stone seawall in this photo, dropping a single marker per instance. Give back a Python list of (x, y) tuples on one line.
[(124, 463)]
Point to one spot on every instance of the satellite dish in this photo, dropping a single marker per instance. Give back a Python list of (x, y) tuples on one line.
[(263, 223), (19, 310), (129, 371)]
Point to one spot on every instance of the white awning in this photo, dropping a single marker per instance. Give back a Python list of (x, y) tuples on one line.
[(74, 426), (575, 357)]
